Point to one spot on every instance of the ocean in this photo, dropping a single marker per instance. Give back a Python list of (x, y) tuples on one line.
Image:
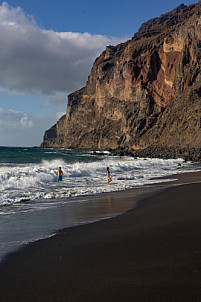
[(33, 205)]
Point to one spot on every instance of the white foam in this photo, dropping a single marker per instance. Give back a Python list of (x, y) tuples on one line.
[(38, 181)]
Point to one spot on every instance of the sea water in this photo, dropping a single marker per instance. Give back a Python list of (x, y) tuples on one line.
[(34, 205)]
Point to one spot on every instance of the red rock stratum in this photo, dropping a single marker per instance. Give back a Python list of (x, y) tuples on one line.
[(142, 93)]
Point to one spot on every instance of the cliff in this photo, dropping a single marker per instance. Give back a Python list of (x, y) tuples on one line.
[(143, 93)]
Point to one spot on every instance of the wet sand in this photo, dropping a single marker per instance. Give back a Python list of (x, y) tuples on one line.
[(152, 253)]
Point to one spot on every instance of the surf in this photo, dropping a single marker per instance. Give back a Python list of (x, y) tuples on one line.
[(30, 174)]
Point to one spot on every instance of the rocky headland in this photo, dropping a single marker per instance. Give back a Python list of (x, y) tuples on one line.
[(143, 97)]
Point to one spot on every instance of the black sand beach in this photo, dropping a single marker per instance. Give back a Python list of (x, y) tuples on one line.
[(152, 253)]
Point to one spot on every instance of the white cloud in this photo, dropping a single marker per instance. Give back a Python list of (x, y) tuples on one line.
[(20, 129), (44, 63), (13, 119), (38, 61), (25, 122)]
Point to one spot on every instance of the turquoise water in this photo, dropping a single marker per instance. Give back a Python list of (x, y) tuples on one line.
[(19, 155)]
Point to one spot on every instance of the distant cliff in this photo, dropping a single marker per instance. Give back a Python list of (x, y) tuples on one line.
[(143, 93)]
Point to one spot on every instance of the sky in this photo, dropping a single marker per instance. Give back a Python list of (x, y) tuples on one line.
[(47, 49)]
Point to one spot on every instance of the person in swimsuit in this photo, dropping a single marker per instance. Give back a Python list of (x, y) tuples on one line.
[(59, 174), (108, 176)]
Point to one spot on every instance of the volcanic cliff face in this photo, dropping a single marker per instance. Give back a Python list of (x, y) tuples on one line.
[(145, 92)]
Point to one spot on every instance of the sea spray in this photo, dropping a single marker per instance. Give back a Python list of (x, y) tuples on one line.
[(33, 205), (30, 174)]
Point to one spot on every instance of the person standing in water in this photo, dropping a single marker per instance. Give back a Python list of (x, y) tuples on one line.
[(59, 174), (108, 176)]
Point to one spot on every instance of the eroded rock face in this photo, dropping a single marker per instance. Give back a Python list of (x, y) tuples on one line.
[(145, 92)]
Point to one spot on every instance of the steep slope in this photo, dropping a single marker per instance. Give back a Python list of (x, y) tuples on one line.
[(145, 92)]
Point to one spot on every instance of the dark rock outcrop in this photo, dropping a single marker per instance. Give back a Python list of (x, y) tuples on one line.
[(144, 93)]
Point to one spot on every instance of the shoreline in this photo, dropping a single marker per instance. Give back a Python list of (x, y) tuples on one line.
[(93, 208), (151, 253)]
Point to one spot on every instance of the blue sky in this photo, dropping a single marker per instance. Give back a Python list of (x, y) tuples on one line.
[(47, 49)]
